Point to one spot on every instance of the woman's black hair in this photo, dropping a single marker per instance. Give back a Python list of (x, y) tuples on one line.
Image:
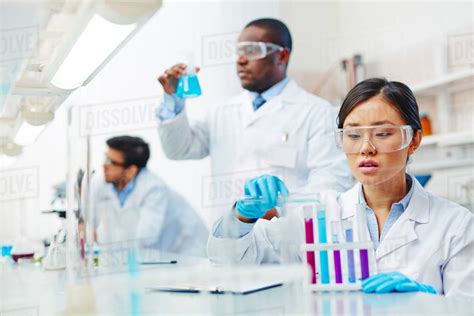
[(396, 93)]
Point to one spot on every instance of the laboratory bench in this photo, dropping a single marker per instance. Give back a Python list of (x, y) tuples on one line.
[(29, 289)]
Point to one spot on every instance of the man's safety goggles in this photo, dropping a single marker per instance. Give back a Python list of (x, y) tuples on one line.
[(110, 162), (256, 50), (382, 138)]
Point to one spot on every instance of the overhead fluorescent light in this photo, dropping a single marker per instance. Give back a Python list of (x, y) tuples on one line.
[(6, 161), (27, 134), (98, 40), (10, 150)]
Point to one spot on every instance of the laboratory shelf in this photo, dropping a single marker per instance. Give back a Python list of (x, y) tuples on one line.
[(448, 139), (451, 82), (444, 151), (429, 167)]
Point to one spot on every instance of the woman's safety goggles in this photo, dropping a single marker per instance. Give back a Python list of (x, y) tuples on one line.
[(383, 138), (256, 50)]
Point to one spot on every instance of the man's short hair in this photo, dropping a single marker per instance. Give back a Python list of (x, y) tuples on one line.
[(135, 150), (276, 29)]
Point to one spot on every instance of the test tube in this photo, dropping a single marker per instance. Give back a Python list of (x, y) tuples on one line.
[(309, 232), (132, 267), (362, 229), (323, 254), (350, 253), (336, 252)]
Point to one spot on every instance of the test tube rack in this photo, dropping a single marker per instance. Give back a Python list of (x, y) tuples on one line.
[(344, 249)]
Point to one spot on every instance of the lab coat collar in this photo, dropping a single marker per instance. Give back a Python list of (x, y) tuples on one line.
[(417, 210), (403, 230), (130, 201), (349, 200), (286, 96)]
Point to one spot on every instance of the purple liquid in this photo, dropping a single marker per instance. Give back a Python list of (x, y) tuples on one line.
[(364, 263), (337, 266), (350, 257), (308, 225)]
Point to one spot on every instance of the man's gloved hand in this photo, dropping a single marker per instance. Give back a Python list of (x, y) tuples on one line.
[(264, 191), (394, 282)]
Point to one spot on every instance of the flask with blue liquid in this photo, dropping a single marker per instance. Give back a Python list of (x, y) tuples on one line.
[(188, 85)]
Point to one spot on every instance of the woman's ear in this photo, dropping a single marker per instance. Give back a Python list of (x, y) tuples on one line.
[(415, 142)]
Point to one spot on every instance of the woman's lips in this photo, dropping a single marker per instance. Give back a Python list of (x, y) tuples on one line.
[(368, 166)]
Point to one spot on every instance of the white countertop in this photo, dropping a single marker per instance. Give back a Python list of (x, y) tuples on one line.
[(28, 289)]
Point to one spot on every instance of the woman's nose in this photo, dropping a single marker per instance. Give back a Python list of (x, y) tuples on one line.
[(367, 148)]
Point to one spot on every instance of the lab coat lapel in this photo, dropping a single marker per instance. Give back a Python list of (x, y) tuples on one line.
[(349, 202), (246, 109), (111, 197), (250, 116), (403, 230), (349, 199)]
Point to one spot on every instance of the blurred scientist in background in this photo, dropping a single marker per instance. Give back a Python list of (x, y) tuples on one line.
[(274, 126), (131, 203)]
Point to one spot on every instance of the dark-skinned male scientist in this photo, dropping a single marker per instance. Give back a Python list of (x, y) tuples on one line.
[(273, 127)]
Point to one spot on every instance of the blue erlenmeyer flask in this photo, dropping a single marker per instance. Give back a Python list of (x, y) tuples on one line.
[(188, 85)]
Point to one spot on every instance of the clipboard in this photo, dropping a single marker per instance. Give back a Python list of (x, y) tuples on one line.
[(214, 290)]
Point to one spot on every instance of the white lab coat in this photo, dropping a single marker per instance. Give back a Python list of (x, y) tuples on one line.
[(291, 136), (432, 242), (153, 215)]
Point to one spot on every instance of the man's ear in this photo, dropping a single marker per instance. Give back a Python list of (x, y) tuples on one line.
[(284, 56), (132, 171), (415, 142)]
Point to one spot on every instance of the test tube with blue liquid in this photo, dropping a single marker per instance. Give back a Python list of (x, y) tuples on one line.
[(348, 232), (336, 252), (323, 254), (188, 84), (132, 267)]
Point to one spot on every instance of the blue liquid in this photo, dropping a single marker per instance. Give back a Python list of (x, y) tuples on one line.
[(7, 251), (350, 257), (132, 263), (188, 86), (5, 88), (135, 305), (323, 253)]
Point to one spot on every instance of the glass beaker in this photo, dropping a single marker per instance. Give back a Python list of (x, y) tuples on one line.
[(188, 85)]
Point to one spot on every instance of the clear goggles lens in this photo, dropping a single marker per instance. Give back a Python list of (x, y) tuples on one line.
[(383, 138), (256, 50)]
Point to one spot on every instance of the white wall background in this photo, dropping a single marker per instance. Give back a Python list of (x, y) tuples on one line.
[(397, 41)]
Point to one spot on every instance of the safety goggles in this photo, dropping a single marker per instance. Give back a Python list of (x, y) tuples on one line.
[(383, 138), (111, 162), (256, 50)]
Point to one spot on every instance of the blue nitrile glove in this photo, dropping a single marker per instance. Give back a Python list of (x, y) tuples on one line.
[(394, 282), (264, 188)]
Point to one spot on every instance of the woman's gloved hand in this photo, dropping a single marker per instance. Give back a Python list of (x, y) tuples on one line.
[(261, 195), (394, 282)]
